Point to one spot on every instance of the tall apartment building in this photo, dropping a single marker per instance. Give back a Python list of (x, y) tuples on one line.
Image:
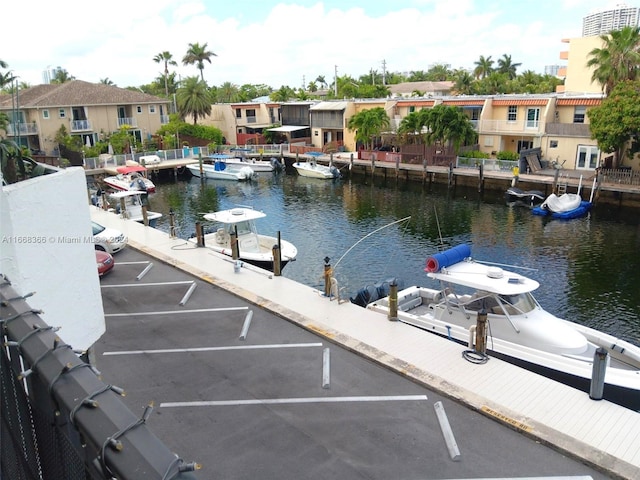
[(604, 21)]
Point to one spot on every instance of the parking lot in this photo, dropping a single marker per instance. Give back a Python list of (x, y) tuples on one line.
[(249, 395)]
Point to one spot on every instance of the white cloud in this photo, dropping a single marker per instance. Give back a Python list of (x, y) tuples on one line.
[(279, 44)]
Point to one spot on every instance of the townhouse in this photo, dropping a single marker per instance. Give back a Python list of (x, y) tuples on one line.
[(87, 110)]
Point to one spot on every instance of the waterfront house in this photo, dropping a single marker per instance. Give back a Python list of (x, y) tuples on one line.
[(87, 110)]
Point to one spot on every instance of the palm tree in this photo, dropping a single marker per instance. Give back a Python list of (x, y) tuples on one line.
[(411, 126), (106, 81), (312, 87), (321, 81), (197, 54), (463, 82), (484, 66), (62, 76), (505, 65), (449, 125), (193, 99), (618, 59), (368, 124), (166, 58)]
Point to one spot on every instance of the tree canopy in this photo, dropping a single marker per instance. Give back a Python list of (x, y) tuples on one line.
[(617, 60), (193, 99), (615, 124), (196, 55), (368, 124)]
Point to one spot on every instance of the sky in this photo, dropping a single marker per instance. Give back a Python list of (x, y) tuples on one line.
[(289, 43)]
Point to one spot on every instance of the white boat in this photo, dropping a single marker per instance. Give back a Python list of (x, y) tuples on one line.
[(563, 203), (253, 247), (256, 164), (520, 331), (219, 170), (130, 178), (312, 169), (129, 205)]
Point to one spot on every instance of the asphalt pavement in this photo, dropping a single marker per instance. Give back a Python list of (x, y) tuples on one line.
[(248, 394)]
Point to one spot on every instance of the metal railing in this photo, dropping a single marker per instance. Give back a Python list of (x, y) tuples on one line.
[(129, 121), (59, 420), (14, 129), (80, 125), (487, 163)]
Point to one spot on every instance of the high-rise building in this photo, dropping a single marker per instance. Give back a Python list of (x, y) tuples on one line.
[(604, 21)]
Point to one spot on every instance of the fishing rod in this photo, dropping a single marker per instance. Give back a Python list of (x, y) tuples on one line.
[(368, 235), (505, 265)]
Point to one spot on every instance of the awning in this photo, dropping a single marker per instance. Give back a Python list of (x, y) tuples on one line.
[(288, 128)]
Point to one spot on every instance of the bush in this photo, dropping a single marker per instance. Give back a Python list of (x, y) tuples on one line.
[(474, 154), (506, 155)]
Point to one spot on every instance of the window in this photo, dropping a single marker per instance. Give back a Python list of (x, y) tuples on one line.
[(512, 113), (152, 109), (578, 114), (488, 141), (553, 143), (45, 114), (139, 108), (533, 117), (238, 113), (412, 109), (587, 157), (62, 113)]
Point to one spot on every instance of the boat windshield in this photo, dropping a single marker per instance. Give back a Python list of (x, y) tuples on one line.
[(516, 304), (243, 228)]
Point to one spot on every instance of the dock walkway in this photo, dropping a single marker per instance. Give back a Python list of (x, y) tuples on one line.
[(597, 432)]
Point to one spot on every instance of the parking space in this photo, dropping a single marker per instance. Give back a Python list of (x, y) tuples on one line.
[(250, 395)]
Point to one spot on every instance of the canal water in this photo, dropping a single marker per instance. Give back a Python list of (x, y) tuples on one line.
[(588, 268)]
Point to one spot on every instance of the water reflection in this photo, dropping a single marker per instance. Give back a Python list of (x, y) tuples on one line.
[(588, 269)]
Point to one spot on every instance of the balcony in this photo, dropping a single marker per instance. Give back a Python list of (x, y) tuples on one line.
[(15, 129), (81, 125), (164, 119), (130, 121), (527, 127), (568, 129)]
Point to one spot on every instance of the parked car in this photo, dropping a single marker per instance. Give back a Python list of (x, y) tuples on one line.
[(105, 262), (108, 240)]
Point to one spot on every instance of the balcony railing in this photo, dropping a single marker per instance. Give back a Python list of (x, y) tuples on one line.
[(164, 119), (505, 126), (80, 125), (14, 129), (130, 121), (569, 129)]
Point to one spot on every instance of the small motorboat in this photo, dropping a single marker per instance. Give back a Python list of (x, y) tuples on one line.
[(129, 205), (220, 170), (130, 177), (519, 330), (256, 164), (312, 169), (528, 198), (253, 247)]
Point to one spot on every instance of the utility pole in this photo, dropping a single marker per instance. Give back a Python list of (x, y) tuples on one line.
[(384, 72), (335, 80)]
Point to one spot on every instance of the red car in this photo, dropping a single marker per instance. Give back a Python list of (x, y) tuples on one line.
[(105, 262)]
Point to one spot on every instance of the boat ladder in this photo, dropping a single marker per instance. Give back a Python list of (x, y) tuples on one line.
[(562, 186)]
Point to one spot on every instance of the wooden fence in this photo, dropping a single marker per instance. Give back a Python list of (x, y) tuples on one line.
[(624, 176)]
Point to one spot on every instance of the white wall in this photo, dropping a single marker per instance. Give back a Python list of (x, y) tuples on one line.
[(45, 247)]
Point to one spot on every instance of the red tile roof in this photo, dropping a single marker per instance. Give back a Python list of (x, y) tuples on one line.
[(463, 103), (520, 101), (579, 101)]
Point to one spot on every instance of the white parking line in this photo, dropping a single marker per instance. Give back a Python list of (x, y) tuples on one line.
[(160, 284), (282, 401), (215, 349), (173, 312)]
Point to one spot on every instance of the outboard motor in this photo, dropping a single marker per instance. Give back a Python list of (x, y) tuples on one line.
[(275, 163), (335, 172)]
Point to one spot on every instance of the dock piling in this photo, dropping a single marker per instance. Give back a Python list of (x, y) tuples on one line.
[(596, 388)]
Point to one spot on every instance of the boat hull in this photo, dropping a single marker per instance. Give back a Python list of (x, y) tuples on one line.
[(229, 173), (313, 170), (529, 198)]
